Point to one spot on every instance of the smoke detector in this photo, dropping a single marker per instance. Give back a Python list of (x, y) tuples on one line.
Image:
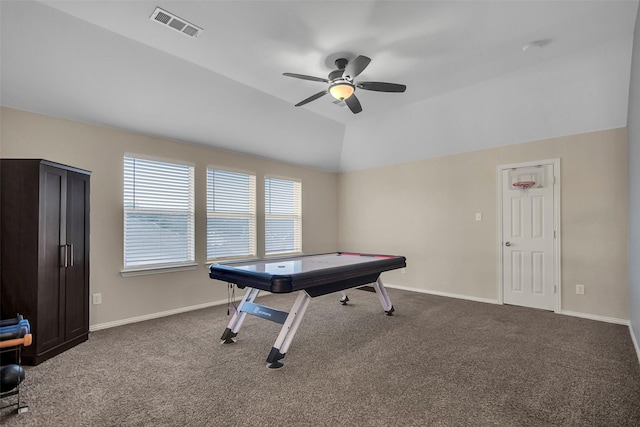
[(170, 20)]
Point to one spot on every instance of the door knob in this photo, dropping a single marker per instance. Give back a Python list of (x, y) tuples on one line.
[(507, 244)]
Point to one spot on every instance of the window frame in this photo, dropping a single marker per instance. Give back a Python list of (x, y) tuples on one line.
[(296, 216), (252, 216), (161, 267)]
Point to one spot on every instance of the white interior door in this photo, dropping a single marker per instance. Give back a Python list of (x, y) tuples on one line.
[(528, 233)]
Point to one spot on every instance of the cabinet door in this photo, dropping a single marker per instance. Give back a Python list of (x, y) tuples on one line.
[(77, 240), (49, 331)]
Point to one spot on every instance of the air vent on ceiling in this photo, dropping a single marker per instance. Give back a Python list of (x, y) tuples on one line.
[(170, 20)]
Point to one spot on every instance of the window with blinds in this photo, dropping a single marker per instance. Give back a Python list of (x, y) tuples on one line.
[(283, 216), (231, 214), (158, 213)]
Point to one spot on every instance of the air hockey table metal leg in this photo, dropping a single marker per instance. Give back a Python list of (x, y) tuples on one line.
[(289, 328), (238, 317), (381, 291)]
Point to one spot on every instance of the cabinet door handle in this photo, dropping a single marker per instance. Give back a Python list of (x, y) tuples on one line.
[(70, 255), (63, 256)]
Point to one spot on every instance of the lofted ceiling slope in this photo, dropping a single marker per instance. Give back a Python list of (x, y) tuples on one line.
[(106, 62)]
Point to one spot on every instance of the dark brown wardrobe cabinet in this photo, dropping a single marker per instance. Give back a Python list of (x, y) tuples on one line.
[(44, 232)]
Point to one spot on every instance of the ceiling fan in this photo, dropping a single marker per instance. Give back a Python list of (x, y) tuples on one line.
[(342, 86)]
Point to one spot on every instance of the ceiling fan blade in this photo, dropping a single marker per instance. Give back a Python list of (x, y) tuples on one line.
[(353, 104), (312, 98), (305, 77), (381, 86), (355, 67)]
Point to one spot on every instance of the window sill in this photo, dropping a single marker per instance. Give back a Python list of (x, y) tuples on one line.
[(157, 269), (209, 262), (230, 259), (284, 254)]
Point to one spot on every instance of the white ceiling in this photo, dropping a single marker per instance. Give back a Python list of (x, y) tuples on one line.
[(106, 62)]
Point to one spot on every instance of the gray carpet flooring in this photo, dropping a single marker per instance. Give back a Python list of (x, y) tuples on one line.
[(437, 362)]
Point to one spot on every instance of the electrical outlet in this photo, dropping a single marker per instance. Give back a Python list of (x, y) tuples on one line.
[(97, 299), (478, 216), (403, 270), (580, 289)]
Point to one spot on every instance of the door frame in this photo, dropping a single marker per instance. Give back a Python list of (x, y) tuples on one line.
[(556, 226)]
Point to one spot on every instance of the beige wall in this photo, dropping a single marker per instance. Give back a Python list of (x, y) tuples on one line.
[(101, 150), (425, 210)]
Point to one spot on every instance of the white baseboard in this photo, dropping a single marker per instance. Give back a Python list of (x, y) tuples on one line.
[(635, 342), (596, 317), (443, 294), (121, 322), (495, 301), (136, 319)]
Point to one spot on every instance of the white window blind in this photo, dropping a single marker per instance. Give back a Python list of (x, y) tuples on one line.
[(158, 213), (231, 214), (283, 216)]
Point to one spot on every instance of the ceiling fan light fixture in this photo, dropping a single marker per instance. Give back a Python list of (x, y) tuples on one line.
[(341, 90), (342, 86)]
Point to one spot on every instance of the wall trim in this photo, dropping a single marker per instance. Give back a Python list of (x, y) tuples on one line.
[(159, 314), (596, 317), (635, 341), (151, 316), (444, 294)]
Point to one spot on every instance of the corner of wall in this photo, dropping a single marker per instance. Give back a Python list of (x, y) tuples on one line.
[(633, 139)]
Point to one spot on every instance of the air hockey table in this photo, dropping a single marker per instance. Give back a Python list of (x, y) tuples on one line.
[(309, 275)]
